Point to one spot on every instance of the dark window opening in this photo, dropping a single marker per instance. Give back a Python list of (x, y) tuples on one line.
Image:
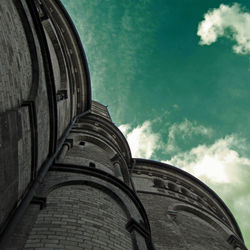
[(92, 164), (61, 95), (82, 143), (159, 183), (185, 192), (172, 187)]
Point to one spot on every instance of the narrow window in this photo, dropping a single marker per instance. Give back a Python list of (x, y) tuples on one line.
[(172, 187), (92, 164), (82, 143), (185, 192), (159, 183)]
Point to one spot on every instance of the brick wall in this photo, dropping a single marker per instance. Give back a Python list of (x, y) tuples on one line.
[(20, 85), (164, 232), (83, 211), (180, 230), (80, 217), (15, 84)]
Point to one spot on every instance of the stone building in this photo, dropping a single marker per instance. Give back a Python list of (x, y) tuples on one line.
[(67, 178)]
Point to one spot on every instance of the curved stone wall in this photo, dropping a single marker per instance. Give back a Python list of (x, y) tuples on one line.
[(39, 86), (18, 60), (80, 217), (16, 65), (96, 142), (183, 212), (67, 176), (83, 208)]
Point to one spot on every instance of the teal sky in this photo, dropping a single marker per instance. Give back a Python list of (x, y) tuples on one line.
[(175, 99)]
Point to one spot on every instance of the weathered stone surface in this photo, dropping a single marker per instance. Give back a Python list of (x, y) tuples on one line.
[(9, 136), (16, 69), (24, 151), (80, 216), (185, 231), (87, 206)]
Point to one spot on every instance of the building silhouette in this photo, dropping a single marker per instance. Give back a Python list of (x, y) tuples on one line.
[(68, 180)]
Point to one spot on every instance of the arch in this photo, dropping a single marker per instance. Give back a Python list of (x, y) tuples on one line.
[(170, 171), (97, 141), (81, 210), (67, 175), (158, 183), (173, 187), (218, 226), (110, 149), (98, 132), (185, 191), (95, 185), (119, 140)]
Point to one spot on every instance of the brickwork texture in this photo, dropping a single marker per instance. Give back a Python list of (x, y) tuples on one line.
[(80, 217)]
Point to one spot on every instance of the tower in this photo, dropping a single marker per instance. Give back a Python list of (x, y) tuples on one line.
[(68, 180)]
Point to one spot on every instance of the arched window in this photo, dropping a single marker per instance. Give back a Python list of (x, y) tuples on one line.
[(172, 187), (92, 164), (184, 191), (159, 183)]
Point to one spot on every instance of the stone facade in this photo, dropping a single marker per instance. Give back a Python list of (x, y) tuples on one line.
[(185, 211), (67, 177)]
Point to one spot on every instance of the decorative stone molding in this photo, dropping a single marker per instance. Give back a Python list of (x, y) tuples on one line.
[(236, 243)]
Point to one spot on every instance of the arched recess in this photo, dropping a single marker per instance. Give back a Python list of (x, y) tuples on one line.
[(84, 213), (91, 184), (98, 141), (198, 219), (113, 133), (97, 130), (99, 150)]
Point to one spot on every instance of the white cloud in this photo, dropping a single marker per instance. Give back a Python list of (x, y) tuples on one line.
[(240, 204), (241, 207), (184, 130), (142, 140), (124, 128), (218, 22), (217, 163)]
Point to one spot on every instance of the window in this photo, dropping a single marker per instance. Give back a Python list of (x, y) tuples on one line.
[(92, 164), (159, 183), (185, 192), (172, 187)]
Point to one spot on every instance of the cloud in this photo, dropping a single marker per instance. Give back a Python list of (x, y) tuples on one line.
[(220, 165), (142, 140), (240, 207), (125, 128), (184, 131), (217, 163), (229, 21)]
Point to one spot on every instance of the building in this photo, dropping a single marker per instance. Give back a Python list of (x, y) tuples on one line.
[(68, 180)]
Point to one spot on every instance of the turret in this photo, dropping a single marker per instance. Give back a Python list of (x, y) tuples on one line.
[(183, 212)]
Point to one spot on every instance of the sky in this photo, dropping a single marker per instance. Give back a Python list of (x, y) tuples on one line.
[(175, 76)]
